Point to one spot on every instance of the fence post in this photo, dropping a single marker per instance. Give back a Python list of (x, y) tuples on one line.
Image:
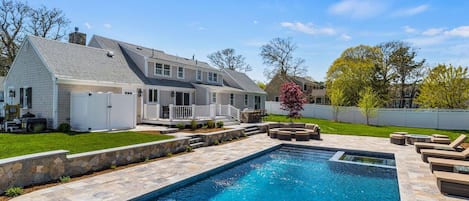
[(171, 111), (437, 118), (193, 111)]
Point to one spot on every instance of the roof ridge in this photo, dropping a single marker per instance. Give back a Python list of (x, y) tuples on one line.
[(66, 43)]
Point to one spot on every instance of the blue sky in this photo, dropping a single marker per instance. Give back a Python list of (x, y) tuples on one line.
[(439, 30)]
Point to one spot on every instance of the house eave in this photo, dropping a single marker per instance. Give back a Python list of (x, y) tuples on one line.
[(61, 80)]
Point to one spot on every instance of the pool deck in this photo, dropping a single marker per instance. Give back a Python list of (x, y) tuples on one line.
[(416, 182)]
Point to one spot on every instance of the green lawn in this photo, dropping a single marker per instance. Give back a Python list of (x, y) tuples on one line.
[(21, 144), (331, 127)]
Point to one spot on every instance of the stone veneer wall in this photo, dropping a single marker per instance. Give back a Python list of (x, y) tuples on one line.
[(50, 166), (225, 135)]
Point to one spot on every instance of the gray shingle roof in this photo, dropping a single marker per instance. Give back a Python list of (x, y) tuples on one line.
[(241, 80), (157, 54), (78, 62), (114, 45)]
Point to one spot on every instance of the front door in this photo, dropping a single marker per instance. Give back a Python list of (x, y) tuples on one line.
[(182, 98), (257, 102)]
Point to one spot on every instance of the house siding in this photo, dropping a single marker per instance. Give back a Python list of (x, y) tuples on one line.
[(64, 92), (29, 71), (189, 73)]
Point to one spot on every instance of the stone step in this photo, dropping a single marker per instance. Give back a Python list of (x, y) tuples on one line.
[(252, 132), (195, 140), (251, 128), (230, 123), (197, 145)]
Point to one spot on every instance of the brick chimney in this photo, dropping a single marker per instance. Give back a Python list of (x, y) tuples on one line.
[(77, 37)]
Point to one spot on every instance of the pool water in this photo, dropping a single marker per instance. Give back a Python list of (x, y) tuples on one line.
[(293, 173)]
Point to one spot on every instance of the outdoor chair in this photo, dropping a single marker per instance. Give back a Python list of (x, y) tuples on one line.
[(447, 165), (452, 183), (452, 146), (426, 153)]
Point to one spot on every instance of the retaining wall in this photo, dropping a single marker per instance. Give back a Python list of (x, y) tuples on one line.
[(50, 166)]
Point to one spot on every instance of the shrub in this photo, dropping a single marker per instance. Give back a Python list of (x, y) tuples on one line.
[(210, 124), (169, 154), (205, 126), (64, 179), (194, 124), (188, 148), (180, 125), (113, 166), (14, 191), (64, 128), (216, 142), (220, 124)]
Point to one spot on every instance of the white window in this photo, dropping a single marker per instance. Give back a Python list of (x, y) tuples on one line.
[(212, 77), (152, 95), (246, 98), (198, 75), (167, 70), (158, 69), (214, 97), (231, 99), (305, 87), (181, 72)]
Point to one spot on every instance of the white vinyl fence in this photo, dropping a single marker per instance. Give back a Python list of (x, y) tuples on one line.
[(421, 118)]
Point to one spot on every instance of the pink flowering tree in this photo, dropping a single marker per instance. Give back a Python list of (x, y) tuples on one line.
[(292, 99)]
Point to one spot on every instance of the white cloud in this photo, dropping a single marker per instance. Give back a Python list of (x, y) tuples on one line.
[(411, 11), (88, 25), (433, 31), (345, 37), (462, 31), (426, 41), (107, 26), (409, 29), (255, 22), (357, 8), (308, 28)]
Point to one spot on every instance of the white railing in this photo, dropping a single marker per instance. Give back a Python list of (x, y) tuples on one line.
[(181, 111), (151, 111), (234, 112)]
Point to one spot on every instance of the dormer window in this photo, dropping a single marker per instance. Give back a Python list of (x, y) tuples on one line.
[(162, 69), (212, 77), (181, 72), (198, 76)]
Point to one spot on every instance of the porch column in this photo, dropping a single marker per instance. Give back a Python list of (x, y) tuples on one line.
[(170, 112), (219, 109), (229, 110), (157, 111), (213, 111), (193, 111)]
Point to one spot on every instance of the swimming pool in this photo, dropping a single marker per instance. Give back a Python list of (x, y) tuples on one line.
[(290, 173)]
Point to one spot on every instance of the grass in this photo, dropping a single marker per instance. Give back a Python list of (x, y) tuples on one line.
[(21, 144), (341, 128)]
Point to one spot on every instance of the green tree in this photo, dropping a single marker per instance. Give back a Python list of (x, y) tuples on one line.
[(353, 71), (261, 85), (337, 99), (368, 103), (407, 71), (445, 87)]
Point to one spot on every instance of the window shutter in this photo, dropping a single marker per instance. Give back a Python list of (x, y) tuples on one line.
[(29, 97), (150, 95), (21, 97)]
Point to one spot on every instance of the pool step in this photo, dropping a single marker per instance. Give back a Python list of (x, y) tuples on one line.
[(196, 142), (251, 130)]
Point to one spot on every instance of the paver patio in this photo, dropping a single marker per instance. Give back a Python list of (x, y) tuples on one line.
[(416, 182)]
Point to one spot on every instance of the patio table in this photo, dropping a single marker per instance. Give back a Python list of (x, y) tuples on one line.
[(411, 138)]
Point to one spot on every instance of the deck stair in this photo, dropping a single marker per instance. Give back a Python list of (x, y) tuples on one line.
[(196, 142), (251, 130)]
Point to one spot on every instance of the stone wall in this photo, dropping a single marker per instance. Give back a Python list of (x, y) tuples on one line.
[(225, 135), (50, 166)]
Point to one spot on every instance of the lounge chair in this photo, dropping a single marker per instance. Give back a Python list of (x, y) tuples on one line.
[(447, 165), (452, 146), (444, 154), (452, 183)]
